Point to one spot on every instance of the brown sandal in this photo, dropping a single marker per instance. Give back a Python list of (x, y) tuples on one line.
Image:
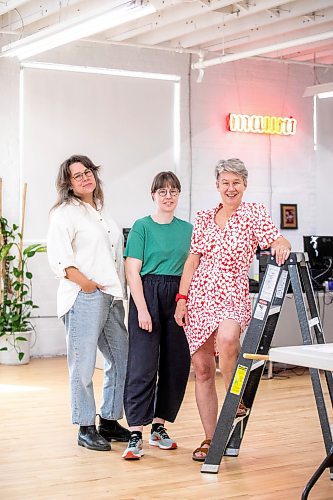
[(242, 411), (202, 449)]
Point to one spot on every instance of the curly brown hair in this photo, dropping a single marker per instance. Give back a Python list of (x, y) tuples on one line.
[(64, 185)]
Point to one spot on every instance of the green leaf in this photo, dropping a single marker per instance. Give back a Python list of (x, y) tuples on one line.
[(3, 348), (31, 248), (5, 250), (20, 356), (42, 248), (28, 275), (16, 272), (22, 339)]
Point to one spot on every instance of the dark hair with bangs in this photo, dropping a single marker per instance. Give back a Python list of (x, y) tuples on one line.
[(163, 179), (64, 185)]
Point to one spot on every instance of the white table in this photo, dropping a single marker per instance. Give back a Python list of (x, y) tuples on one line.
[(318, 356), (312, 356)]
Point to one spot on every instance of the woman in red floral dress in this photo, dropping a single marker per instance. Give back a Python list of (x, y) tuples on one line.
[(213, 301)]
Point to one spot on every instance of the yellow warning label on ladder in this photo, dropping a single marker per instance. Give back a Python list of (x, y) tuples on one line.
[(238, 380)]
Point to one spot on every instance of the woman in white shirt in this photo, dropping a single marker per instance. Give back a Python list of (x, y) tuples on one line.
[(85, 249)]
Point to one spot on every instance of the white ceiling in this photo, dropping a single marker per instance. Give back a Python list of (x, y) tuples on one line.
[(221, 30)]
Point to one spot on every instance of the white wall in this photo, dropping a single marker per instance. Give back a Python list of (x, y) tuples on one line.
[(324, 167), (106, 117), (9, 137), (282, 169)]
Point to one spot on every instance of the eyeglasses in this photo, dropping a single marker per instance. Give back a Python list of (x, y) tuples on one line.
[(172, 192), (79, 176)]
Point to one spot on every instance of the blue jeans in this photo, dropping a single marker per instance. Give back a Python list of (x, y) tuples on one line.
[(96, 319)]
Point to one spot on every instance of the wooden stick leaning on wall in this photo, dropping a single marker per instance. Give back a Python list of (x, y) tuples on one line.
[(24, 197)]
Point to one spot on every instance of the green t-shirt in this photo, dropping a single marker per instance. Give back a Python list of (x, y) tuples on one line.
[(162, 248)]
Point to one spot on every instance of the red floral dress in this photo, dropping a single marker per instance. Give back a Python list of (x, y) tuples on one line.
[(219, 288)]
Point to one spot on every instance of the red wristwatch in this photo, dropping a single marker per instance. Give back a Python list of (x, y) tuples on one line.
[(180, 296)]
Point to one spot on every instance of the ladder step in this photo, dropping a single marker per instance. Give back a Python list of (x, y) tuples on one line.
[(257, 364), (313, 322), (231, 452), (213, 469), (274, 310)]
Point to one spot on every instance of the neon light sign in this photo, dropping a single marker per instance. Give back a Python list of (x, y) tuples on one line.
[(261, 124)]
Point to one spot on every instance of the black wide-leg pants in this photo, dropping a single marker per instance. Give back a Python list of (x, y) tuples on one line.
[(158, 362)]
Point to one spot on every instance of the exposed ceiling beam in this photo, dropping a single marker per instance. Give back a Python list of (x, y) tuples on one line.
[(199, 24), (259, 33), (10, 5), (165, 4), (299, 8), (262, 50), (254, 18), (165, 18), (41, 15), (34, 11), (289, 51), (242, 6)]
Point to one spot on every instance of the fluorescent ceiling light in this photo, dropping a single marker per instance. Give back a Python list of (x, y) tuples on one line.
[(322, 91), (69, 31)]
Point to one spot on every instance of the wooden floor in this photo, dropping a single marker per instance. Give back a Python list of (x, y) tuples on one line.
[(40, 459)]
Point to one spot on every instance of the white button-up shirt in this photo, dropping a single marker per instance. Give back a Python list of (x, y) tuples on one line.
[(88, 239)]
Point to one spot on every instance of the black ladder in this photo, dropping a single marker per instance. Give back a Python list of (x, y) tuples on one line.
[(230, 430)]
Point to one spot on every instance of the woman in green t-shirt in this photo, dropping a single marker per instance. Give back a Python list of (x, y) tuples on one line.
[(158, 359)]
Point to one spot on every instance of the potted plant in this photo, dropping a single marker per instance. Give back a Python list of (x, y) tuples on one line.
[(16, 304)]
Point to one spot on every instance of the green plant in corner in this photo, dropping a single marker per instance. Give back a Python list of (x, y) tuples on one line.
[(16, 304)]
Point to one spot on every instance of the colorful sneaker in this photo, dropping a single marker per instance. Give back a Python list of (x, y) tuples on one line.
[(161, 439), (134, 449)]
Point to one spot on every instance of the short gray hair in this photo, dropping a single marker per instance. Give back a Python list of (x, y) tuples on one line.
[(234, 165)]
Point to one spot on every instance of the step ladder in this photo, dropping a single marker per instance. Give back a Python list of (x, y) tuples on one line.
[(230, 430)]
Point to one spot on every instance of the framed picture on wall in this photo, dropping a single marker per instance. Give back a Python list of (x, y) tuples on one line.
[(288, 216)]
